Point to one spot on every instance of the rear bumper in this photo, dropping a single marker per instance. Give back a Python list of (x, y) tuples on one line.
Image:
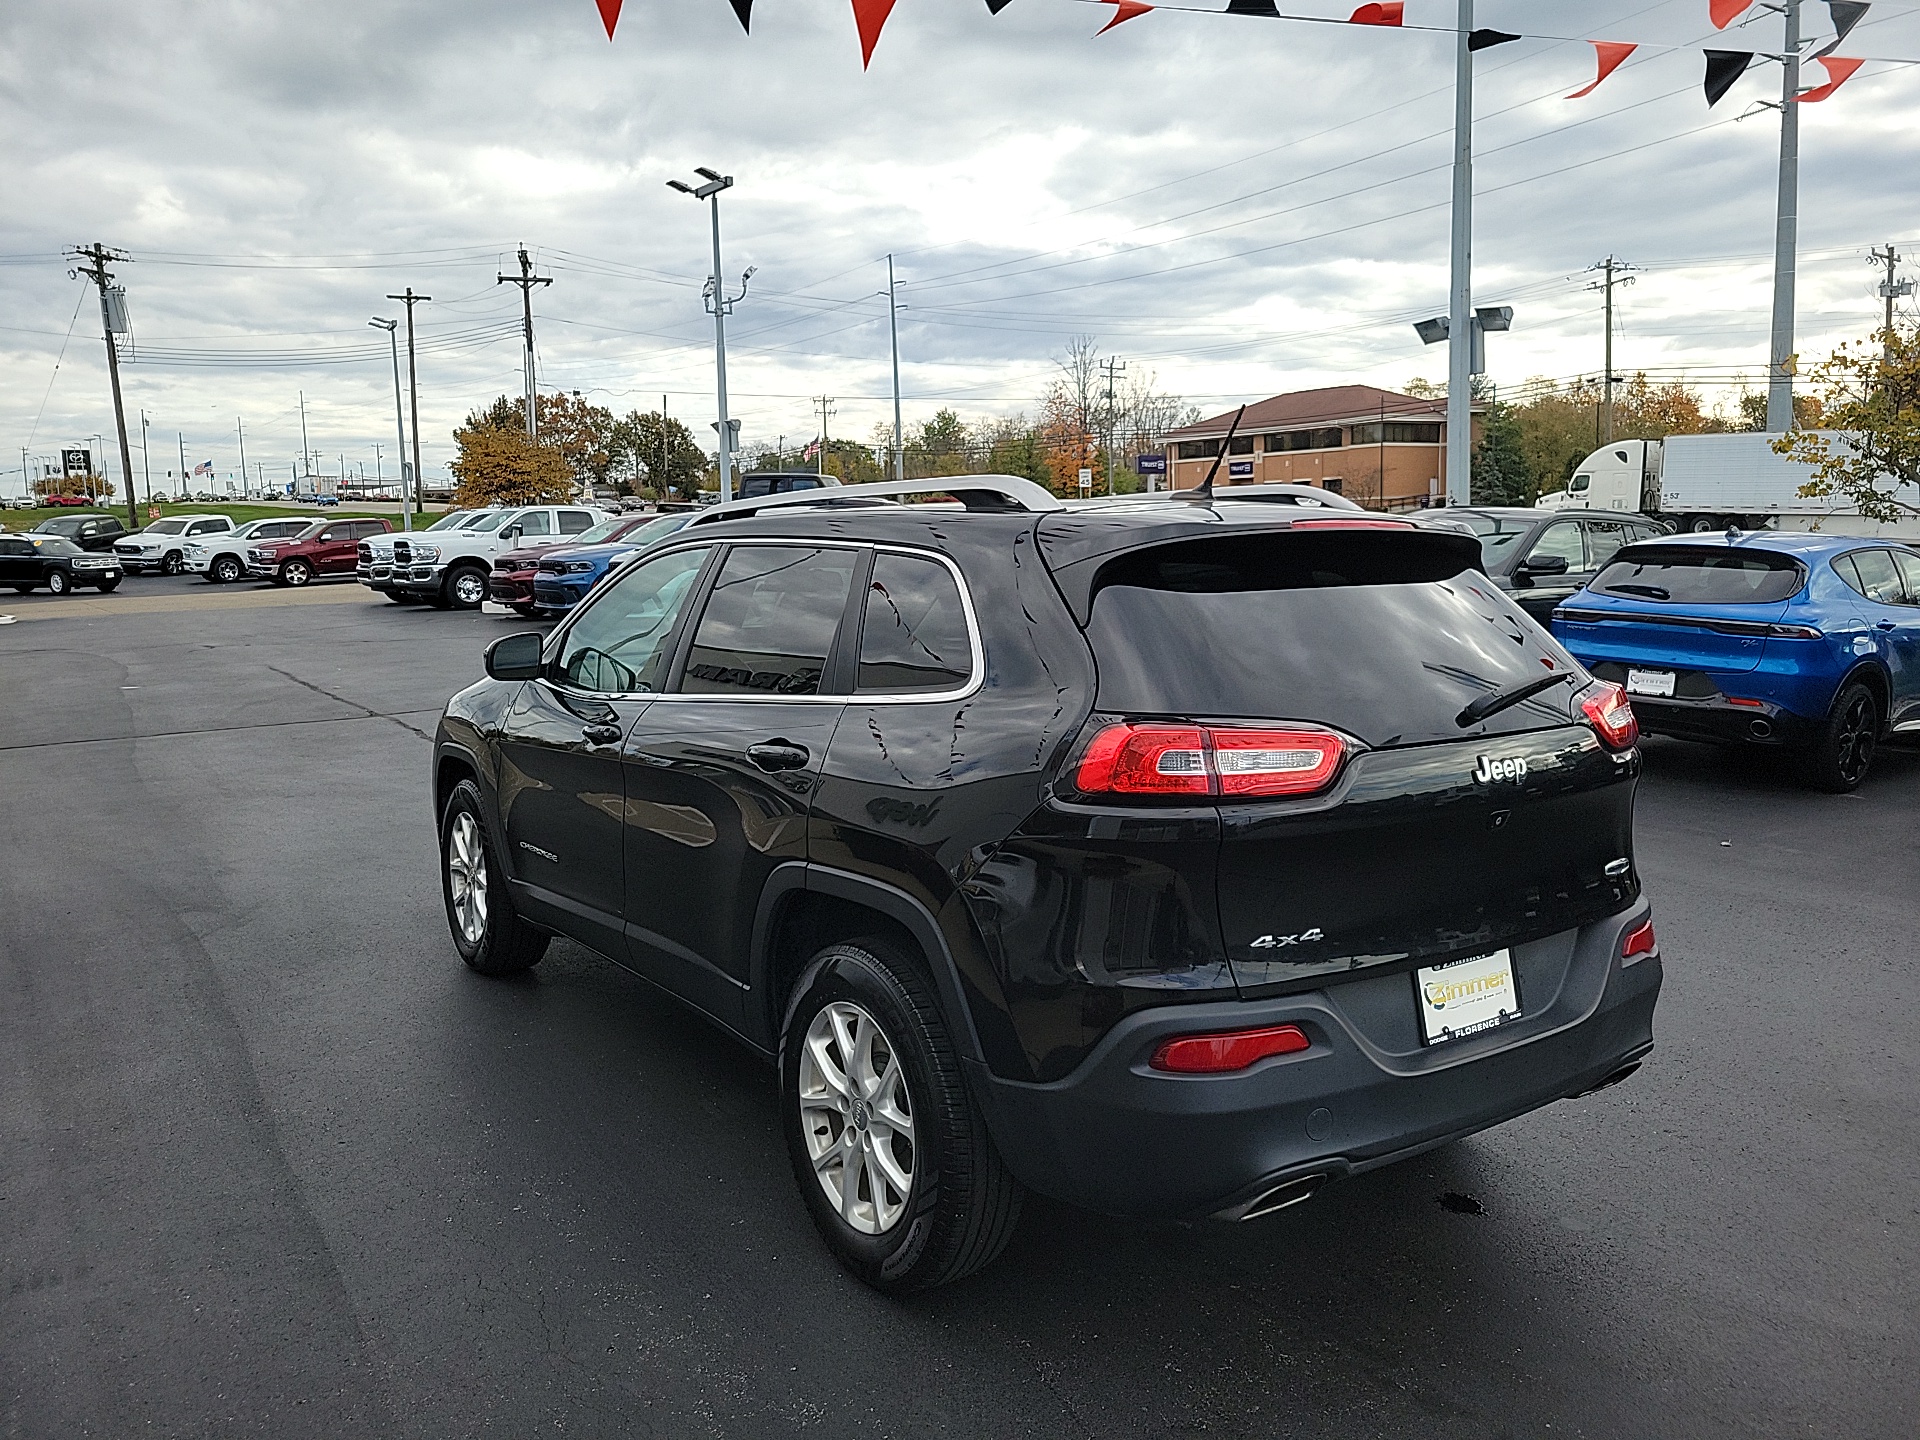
[(1118, 1137), (1724, 723)]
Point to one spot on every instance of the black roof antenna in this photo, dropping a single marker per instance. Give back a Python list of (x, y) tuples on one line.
[(1205, 488)]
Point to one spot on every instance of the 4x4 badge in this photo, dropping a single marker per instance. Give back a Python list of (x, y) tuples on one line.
[(1276, 942), (1514, 767)]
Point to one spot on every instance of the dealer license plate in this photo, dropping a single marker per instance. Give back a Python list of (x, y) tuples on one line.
[(1650, 682), (1466, 996)]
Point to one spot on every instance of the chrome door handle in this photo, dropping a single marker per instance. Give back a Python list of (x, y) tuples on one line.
[(774, 755), (601, 734)]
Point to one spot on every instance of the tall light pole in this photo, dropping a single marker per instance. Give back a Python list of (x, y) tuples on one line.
[(721, 306), (893, 326), (1781, 360), (413, 387), (1460, 298), (392, 327)]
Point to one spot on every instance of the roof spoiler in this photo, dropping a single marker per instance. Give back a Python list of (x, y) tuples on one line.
[(992, 493)]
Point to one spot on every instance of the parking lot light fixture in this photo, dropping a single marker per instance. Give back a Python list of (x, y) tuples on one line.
[(720, 306), (392, 327)]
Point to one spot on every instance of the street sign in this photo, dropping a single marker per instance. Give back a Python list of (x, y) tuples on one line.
[(1240, 469), (1086, 478), (1150, 464)]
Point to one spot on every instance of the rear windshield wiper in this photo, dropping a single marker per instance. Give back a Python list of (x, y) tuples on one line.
[(1495, 701), (1652, 592)]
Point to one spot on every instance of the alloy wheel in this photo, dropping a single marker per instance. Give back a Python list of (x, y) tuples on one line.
[(226, 570), (1853, 751), (469, 589), (857, 1117), (467, 877)]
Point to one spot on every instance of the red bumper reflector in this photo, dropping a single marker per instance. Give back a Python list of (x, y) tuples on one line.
[(1750, 704), (1230, 1050), (1639, 941)]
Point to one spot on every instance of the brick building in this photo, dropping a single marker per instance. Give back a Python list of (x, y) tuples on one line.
[(1382, 449)]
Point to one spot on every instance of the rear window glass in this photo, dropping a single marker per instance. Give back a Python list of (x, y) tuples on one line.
[(1385, 642), (1702, 576)]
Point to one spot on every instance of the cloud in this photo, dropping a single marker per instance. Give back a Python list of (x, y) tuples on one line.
[(1239, 205)]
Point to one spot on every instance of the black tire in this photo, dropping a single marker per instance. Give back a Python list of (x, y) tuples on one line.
[(296, 573), (1705, 524), (107, 587), (23, 589), (503, 943), (172, 564), (465, 587), (1844, 750), (225, 570), (962, 1204), (59, 582), (526, 610)]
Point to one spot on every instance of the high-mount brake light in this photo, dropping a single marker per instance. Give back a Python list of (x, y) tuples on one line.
[(1161, 759), (1228, 1051), (1606, 708)]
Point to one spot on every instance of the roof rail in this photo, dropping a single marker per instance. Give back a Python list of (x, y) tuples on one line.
[(999, 493)]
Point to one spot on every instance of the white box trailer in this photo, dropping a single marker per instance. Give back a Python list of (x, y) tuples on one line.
[(1708, 482)]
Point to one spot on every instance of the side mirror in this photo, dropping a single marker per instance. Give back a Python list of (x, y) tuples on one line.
[(512, 532), (516, 657), (1545, 565)]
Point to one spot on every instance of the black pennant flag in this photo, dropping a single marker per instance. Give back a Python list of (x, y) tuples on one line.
[(994, 7), (1265, 9), (1487, 39), (1846, 14), (744, 9), (1723, 68)]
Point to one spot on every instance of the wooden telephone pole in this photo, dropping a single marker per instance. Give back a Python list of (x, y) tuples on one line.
[(97, 256)]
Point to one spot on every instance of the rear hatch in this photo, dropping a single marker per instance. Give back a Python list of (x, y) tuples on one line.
[(1681, 607), (1427, 839)]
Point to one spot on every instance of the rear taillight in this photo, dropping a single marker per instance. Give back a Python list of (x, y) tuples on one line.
[(1639, 941), (1611, 716), (1227, 1051), (1127, 759)]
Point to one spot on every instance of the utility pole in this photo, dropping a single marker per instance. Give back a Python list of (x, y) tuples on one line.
[(1782, 362), (662, 486), (306, 455), (1612, 272), (97, 272), (526, 280), (893, 326), (1890, 290), (824, 404), (239, 425), (413, 384), (719, 306), (1112, 366), (1460, 298)]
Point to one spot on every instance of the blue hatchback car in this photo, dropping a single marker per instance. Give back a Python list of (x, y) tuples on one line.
[(566, 575), (1770, 638)]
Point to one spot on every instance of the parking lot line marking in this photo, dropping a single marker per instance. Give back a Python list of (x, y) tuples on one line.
[(228, 730), (74, 607)]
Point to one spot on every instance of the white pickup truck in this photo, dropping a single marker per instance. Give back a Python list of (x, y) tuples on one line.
[(162, 545), (448, 568)]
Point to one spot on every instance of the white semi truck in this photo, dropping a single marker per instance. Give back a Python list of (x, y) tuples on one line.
[(1708, 482)]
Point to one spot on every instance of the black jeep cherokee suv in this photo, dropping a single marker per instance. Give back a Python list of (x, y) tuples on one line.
[(1170, 858)]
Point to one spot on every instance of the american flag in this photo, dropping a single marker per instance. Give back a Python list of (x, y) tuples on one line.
[(205, 467)]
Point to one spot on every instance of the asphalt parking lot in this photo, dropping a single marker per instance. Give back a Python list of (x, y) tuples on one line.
[(273, 1163)]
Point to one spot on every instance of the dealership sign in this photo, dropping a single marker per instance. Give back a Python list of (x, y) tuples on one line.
[(1150, 464), (76, 462)]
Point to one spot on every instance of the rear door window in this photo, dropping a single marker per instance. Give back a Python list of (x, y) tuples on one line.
[(770, 624), (575, 522), (913, 637), (1701, 575), (1386, 641), (1605, 537), (619, 644)]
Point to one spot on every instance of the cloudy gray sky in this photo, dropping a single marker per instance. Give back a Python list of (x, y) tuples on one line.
[(1239, 206)]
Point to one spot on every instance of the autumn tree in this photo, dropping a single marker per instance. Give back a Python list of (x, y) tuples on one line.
[(1870, 391), (497, 464)]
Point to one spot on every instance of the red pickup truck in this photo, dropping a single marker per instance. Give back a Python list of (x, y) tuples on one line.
[(326, 549)]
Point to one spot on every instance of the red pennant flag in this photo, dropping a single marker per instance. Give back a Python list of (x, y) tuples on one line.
[(1838, 73), (1123, 11), (1609, 53), (1392, 13), (870, 16), (609, 14), (1724, 12)]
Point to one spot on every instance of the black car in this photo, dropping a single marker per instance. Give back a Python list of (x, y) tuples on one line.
[(1170, 858), (1540, 557), (89, 532), (29, 561)]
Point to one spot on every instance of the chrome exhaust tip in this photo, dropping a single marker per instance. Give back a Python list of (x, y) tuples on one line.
[(1760, 729), (1282, 1197)]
